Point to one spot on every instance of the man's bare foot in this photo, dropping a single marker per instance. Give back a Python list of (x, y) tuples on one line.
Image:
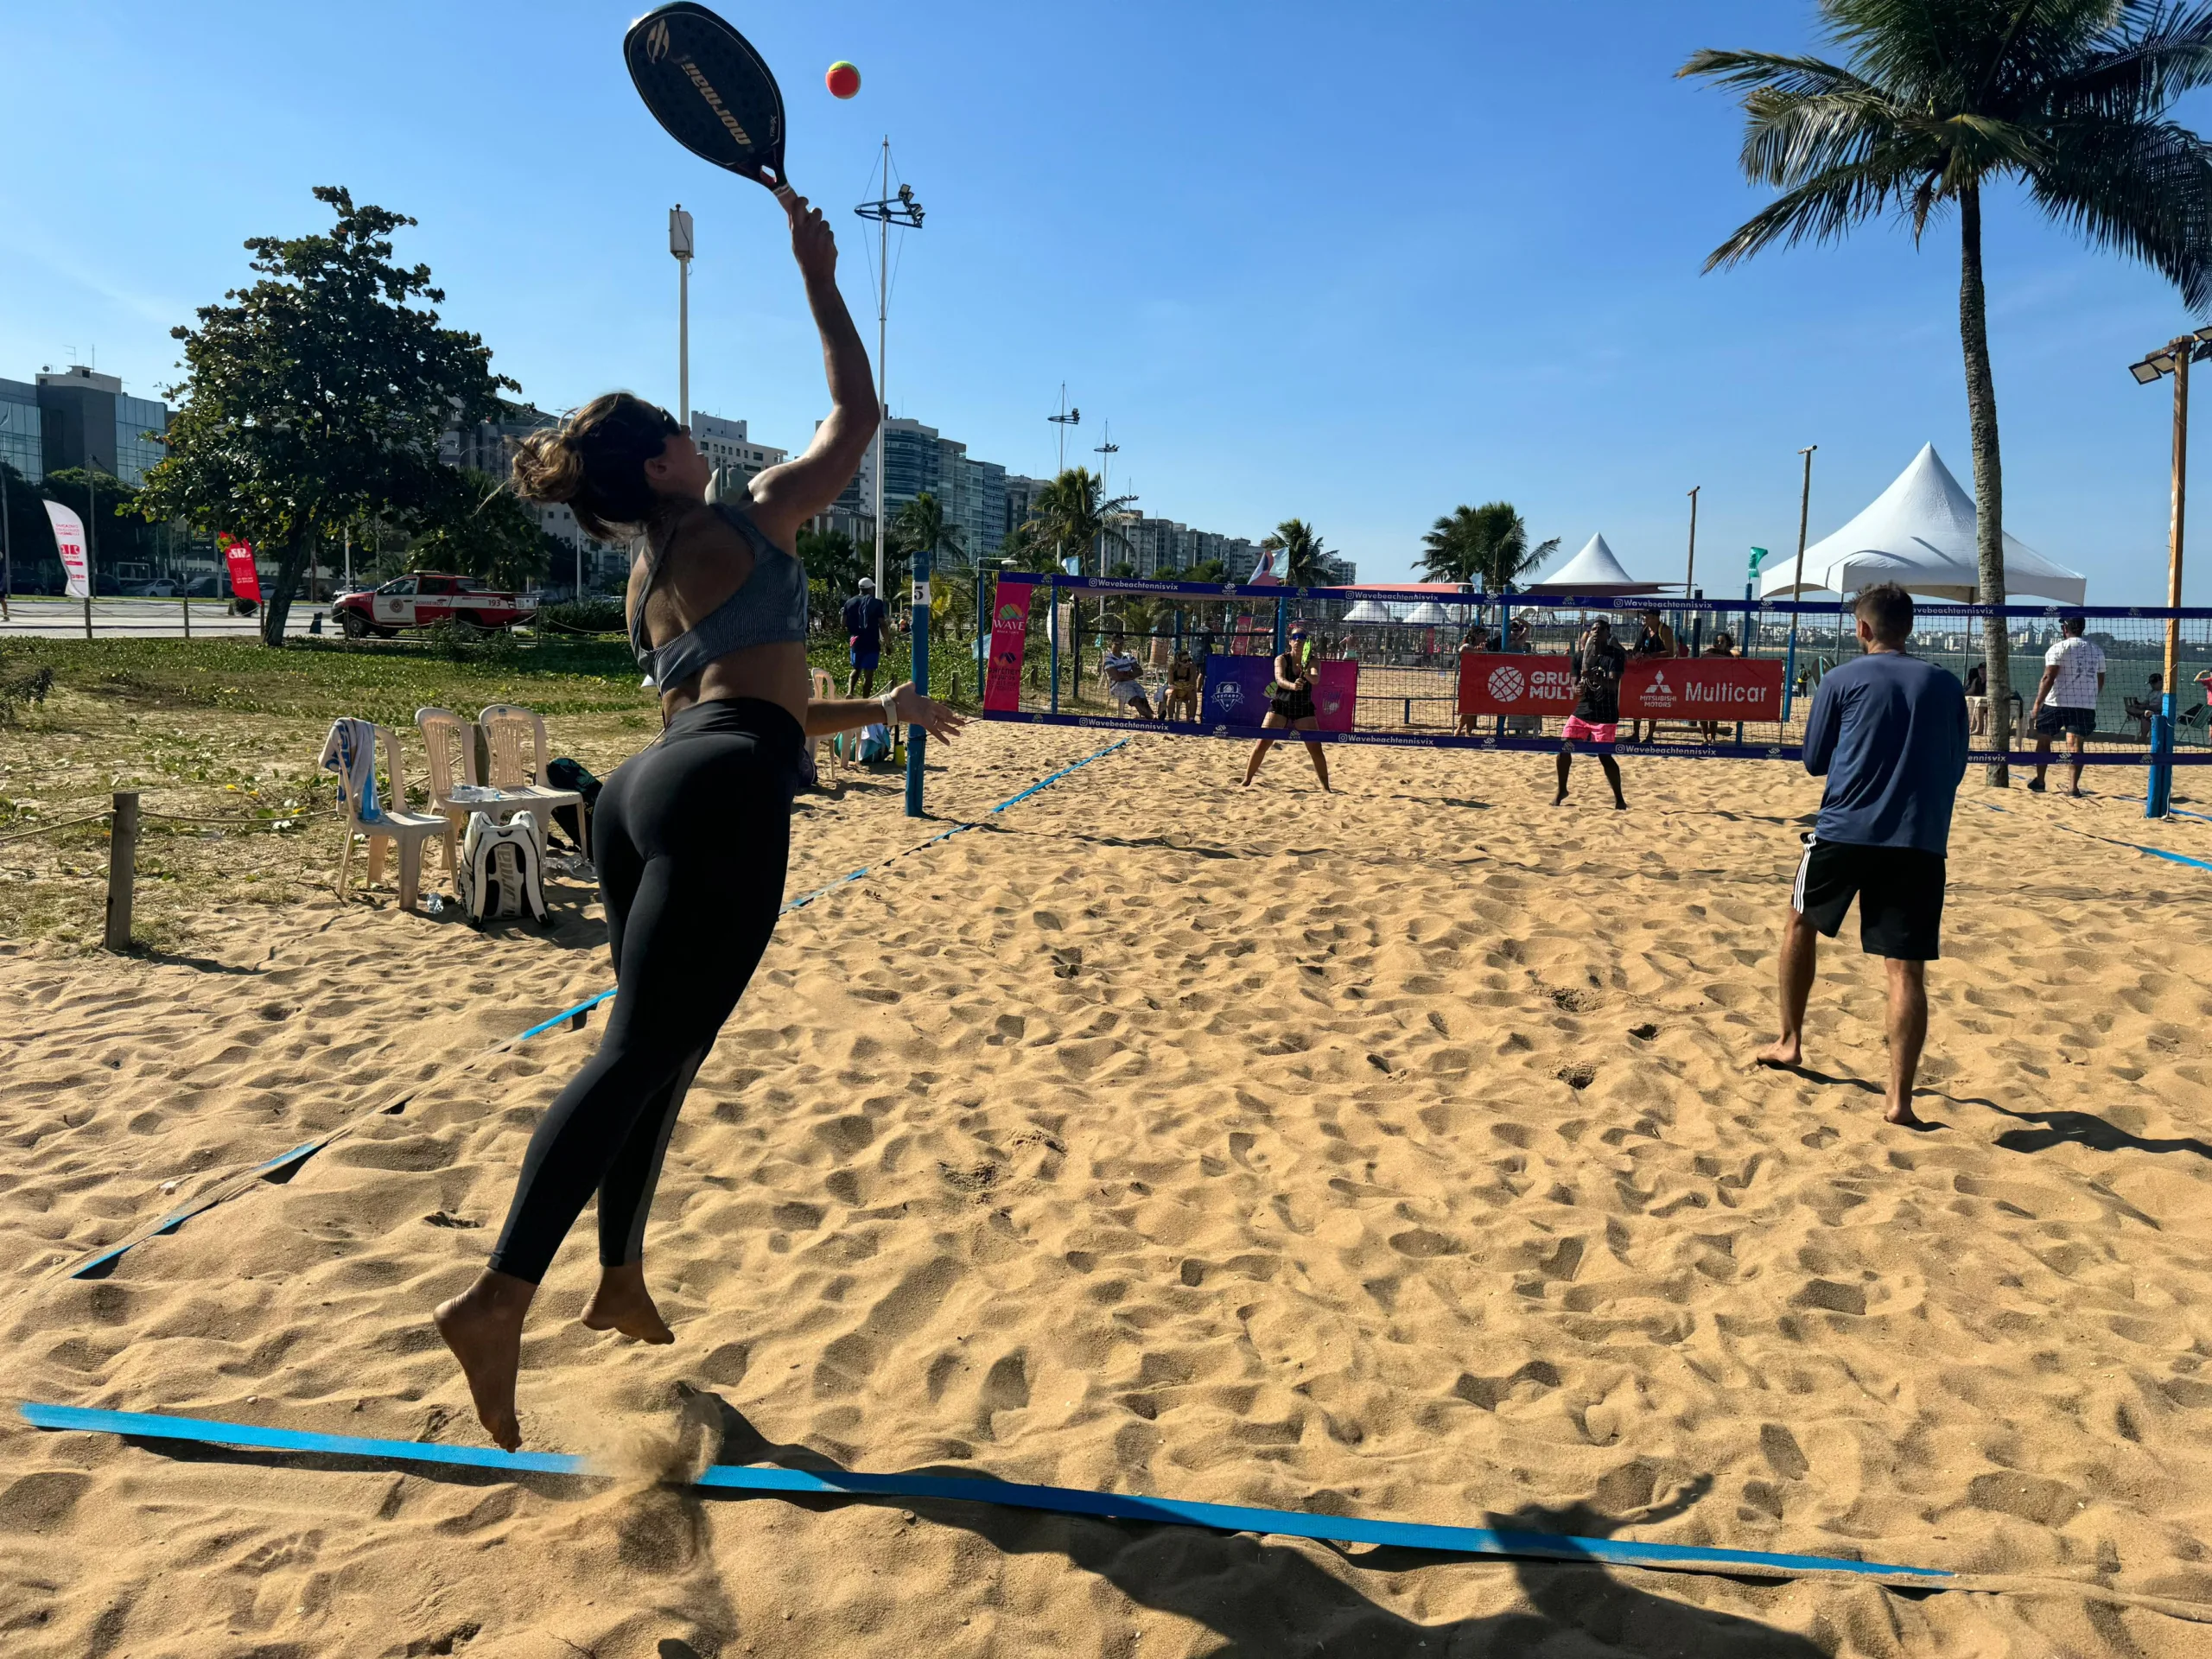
[(1783, 1052), (483, 1326), (622, 1303), (1900, 1113)]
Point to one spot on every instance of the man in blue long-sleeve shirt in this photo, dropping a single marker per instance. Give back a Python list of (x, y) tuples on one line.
[(1888, 732)]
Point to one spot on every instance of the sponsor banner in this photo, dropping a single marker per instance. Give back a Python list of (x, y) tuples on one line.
[(69, 539), (1495, 682), (1009, 640), (245, 581), (1703, 688), (1237, 690), (1336, 695)]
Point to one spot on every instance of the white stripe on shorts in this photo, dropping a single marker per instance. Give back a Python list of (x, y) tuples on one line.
[(1797, 886)]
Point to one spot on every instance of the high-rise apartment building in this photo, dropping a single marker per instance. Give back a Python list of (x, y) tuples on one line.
[(729, 450)]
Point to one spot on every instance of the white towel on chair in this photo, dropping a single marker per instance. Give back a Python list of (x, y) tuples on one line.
[(351, 752)]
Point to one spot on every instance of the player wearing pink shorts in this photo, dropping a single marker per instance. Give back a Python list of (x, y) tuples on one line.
[(1597, 716)]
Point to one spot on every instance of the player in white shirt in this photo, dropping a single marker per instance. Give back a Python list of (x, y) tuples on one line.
[(2073, 675)]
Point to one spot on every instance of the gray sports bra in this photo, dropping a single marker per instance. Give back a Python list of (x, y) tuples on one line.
[(768, 608)]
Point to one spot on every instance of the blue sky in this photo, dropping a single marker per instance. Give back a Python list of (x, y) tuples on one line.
[(1354, 265)]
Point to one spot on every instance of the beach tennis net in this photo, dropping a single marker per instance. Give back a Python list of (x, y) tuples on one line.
[(1431, 668)]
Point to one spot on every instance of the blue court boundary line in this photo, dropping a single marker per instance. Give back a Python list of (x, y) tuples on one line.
[(2113, 840), (1058, 1500), (102, 1262), (1537, 745)]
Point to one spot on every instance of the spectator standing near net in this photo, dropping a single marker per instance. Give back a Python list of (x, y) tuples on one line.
[(1290, 706), (1597, 714), (1653, 639), (1889, 732), (2066, 700), (1977, 698), (1724, 644), (863, 616)]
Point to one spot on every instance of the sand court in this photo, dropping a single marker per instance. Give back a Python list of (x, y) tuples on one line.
[(1391, 1153)]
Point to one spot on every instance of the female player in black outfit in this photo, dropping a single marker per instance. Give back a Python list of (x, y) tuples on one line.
[(1290, 705), (691, 836)]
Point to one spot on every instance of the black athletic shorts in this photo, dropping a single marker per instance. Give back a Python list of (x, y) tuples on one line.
[(1899, 889), (2051, 721)]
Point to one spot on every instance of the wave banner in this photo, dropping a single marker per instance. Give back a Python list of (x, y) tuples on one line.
[(1009, 640)]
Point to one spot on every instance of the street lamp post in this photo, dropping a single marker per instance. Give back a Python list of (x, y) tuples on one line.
[(680, 245), (1689, 576), (2173, 358), (1066, 418), (898, 208), (1106, 452)]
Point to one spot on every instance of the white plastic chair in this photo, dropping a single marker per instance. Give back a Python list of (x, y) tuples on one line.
[(394, 824), (450, 740), (507, 726)]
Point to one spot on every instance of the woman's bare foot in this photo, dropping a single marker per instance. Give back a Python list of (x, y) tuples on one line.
[(1783, 1052), (483, 1326), (622, 1303)]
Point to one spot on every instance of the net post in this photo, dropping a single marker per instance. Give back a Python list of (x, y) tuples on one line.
[(1052, 635), (917, 738)]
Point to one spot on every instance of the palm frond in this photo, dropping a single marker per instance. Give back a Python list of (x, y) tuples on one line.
[(2159, 53), (2142, 189), (1821, 209)]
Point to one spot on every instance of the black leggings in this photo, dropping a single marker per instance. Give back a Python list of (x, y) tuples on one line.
[(691, 838)]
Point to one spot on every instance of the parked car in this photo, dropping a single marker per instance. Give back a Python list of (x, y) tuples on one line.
[(160, 587), (425, 599)]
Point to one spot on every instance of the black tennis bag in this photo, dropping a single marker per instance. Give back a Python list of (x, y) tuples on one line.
[(572, 822)]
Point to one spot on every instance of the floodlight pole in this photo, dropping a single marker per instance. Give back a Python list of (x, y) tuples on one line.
[(1106, 452), (900, 208), (680, 245), (2173, 358), (1797, 583)]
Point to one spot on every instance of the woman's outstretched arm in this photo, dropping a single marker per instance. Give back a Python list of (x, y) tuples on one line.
[(785, 497), (828, 714)]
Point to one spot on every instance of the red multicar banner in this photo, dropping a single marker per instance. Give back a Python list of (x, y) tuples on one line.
[(1680, 688), (1010, 637), (1496, 684), (1703, 688), (245, 581)]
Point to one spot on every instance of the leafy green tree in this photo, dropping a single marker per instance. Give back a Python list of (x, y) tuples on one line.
[(1488, 545), (1938, 98), (314, 399), (1301, 551), (478, 527)]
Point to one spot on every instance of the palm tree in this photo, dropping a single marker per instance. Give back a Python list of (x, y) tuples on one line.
[(921, 527), (1487, 545), (1942, 97), (1301, 551), (1072, 515)]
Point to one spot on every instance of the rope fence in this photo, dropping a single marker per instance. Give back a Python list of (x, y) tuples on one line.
[(126, 814)]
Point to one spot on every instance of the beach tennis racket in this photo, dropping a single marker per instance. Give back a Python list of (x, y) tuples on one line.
[(704, 81)]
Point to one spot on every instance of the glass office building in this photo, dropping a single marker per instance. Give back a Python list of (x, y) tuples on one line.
[(136, 453), (21, 443)]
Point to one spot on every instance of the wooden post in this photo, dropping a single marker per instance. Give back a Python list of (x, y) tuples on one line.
[(122, 868)]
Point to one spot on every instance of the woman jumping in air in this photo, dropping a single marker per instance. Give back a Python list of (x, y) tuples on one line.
[(1290, 705), (692, 835)]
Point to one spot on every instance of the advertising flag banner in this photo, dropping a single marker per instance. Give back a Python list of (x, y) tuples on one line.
[(1336, 695), (1703, 688), (1236, 689), (1009, 640), (245, 581), (1498, 683), (69, 537)]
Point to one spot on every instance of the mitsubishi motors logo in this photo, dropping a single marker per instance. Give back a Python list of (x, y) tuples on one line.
[(1659, 694), (1506, 684)]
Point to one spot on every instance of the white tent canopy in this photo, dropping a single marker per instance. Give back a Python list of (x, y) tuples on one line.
[(1593, 570), (1920, 532)]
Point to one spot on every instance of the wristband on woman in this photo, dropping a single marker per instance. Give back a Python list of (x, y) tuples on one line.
[(890, 701)]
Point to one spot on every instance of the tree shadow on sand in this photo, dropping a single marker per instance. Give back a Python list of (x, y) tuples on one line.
[(1270, 1601)]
